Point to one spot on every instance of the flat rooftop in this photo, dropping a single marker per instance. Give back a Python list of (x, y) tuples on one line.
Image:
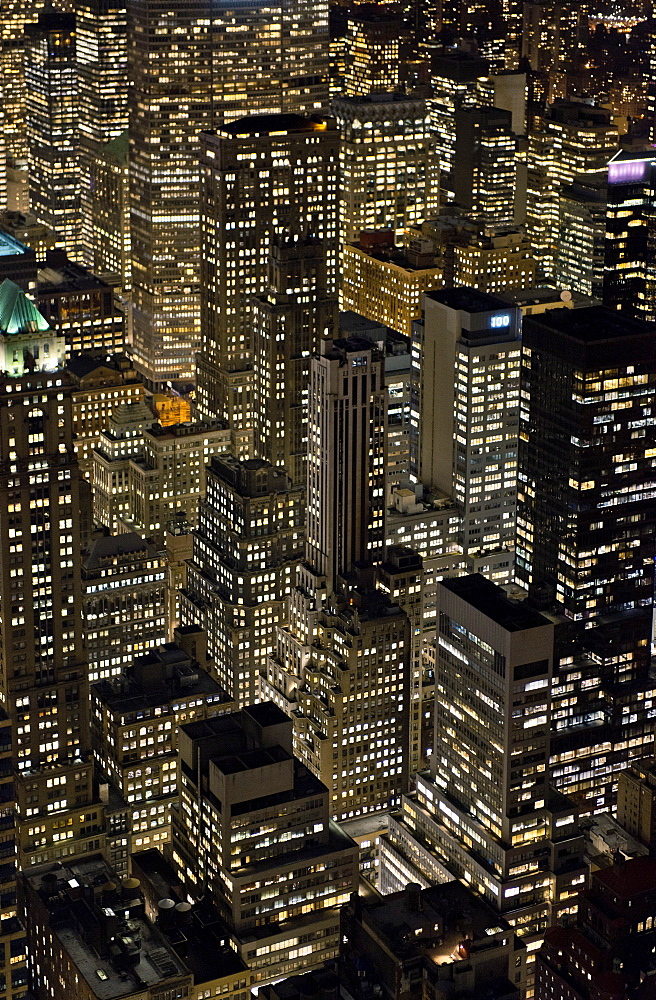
[(72, 913), (251, 760), (266, 713), (62, 275), (631, 878), (267, 124), (469, 300), (592, 325), (493, 602)]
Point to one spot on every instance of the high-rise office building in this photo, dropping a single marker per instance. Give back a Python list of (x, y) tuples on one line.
[(582, 234), (269, 60), (389, 164), (553, 38), (52, 118), (486, 809), (395, 349), (455, 77), (401, 576), (108, 240), (373, 36), (246, 550), (170, 102), (264, 177), (427, 521), (124, 601), (567, 139), (341, 666), (346, 459), (629, 270), (289, 320), (465, 417), (43, 673), (602, 696), (15, 16), (585, 495), (102, 75), (198, 67), (254, 832), (485, 164), (585, 534)]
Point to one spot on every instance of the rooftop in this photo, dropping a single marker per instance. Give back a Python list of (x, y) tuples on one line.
[(469, 300), (493, 602), (583, 333), (85, 363), (112, 548), (592, 325), (18, 314), (102, 928), (250, 760), (266, 713), (629, 878), (280, 123), (156, 679), (446, 923), (63, 275)]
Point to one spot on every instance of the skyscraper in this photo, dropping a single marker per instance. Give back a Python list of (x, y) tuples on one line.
[(346, 460), (485, 164), (264, 177), (455, 77), (389, 164), (270, 60), (582, 234), (486, 808), (567, 139), (372, 63), (102, 72), (342, 663), (43, 675), (465, 417), (15, 16), (246, 551), (585, 494), (170, 68), (290, 319), (193, 65), (629, 270), (52, 126)]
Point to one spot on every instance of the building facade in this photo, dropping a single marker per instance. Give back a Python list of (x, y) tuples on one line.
[(246, 551), (292, 193), (52, 119), (389, 164), (279, 890)]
